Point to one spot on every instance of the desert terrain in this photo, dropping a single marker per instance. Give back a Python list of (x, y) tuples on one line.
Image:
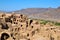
[(15, 26), (29, 19)]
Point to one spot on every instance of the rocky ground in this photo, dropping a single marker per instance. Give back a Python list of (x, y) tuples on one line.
[(20, 27)]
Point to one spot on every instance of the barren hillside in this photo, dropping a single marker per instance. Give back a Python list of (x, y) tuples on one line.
[(41, 13)]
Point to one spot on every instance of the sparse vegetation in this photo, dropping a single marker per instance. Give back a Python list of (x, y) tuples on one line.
[(57, 23), (46, 21)]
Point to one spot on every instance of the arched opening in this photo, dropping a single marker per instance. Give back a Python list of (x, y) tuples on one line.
[(4, 26), (4, 36), (8, 20), (21, 15), (31, 22)]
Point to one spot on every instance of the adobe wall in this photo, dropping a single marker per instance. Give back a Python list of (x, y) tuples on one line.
[(19, 27)]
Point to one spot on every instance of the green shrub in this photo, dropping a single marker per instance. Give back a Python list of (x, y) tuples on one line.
[(57, 24), (44, 22)]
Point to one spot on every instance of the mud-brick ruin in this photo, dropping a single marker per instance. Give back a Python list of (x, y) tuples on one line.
[(19, 27)]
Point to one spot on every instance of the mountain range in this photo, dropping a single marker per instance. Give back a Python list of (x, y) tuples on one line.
[(41, 13)]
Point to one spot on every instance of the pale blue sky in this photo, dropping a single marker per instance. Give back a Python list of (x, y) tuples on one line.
[(12, 5)]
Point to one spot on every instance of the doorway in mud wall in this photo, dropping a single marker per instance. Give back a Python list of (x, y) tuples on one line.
[(4, 36)]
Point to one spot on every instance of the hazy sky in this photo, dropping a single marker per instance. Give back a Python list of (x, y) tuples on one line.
[(12, 5)]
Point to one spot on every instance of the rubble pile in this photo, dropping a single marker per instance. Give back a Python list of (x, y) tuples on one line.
[(19, 27)]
